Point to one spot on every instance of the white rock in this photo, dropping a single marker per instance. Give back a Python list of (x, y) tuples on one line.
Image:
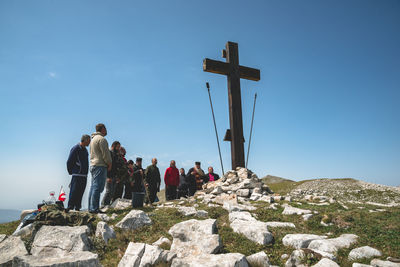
[(267, 199), (121, 203), (324, 254), (134, 219), (162, 240), (258, 259), (2, 237), (306, 217), (381, 263), (332, 245), (105, 232), (241, 215), (152, 255), (25, 231), (194, 237), (300, 240), (289, 210), (243, 192), (113, 216), (281, 224), (225, 198), (58, 241), (11, 247), (237, 207), (360, 265), (219, 260), (363, 252), (133, 255), (284, 256), (103, 217), (187, 211), (217, 190), (243, 173), (296, 258), (73, 259), (324, 262), (255, 196), (277, 198), (202, 214), (256, 231)]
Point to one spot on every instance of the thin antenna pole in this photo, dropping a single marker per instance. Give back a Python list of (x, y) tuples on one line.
[(251, 130), (215, 126)]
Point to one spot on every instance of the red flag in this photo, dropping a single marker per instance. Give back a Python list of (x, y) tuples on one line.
[(62, 197)]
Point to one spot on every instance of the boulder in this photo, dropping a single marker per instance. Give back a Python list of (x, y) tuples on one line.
[(133, 255), (296, 258), (57, 241), (225, 198), (9, 248), (267, 199), (162, 240), (73, 259), (187, 211), (194, 237), (360, 265), (121, 204), (152, 255), (243, 192), (332, 245), (202, 214), (105, 232), (259, 259), (25, 231), (256, 231), (300, 240), (220, 260), (381, 263), (281, 224), (324, 262), (364, 252), (2, 237), (255, 196), (241, 215), (134, 219), (243, 173), (237, 207), (289, 210)]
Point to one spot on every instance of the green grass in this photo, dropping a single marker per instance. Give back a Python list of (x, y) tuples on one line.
[(380, 230)]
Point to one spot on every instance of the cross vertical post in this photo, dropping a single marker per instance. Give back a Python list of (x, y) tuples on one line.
[(234, 73)]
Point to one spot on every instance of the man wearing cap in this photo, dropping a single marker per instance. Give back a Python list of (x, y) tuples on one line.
[(152, 181), (137, 177), (195, 178)]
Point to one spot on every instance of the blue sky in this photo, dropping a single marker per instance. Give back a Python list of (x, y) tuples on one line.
[(328, 98)]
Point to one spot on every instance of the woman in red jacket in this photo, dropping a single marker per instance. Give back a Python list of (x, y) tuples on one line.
[(171, 179)]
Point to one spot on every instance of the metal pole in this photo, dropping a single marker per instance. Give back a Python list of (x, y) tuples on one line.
[(251, 129), (215, 126)]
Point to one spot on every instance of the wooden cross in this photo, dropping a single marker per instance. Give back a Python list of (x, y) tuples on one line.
[(234, 72)]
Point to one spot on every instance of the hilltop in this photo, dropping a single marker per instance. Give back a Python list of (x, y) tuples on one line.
[(242, 219)]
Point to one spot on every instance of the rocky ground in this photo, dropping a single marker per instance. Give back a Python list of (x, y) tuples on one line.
[(236, 221)]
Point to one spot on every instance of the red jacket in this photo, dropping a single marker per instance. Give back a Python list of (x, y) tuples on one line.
[(171, 176)]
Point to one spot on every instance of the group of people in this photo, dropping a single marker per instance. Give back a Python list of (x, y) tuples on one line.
[(122, 178)]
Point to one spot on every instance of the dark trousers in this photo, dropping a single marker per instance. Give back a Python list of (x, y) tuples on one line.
[(128, 191), (78, 185), (118, 190), (170, 192), (151, 194)]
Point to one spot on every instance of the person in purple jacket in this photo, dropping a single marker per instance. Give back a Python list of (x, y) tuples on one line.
[(78, 167)]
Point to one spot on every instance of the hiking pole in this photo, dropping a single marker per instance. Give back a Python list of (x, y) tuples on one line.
[(215, 126), (251, 129)]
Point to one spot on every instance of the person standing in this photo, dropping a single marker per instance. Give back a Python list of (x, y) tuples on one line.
[(111, 175), (183, 189), (100, 161), (171, 179), (211, 176), (78, 167), (137, 183), (128, 182), (195, 177), (152, 181)]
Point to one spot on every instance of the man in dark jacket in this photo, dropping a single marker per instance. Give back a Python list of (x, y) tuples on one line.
[(78, 166), (211, 176), (137, 177), (152, 181), (195, 177), (111, 175), (183, 189), (171, 179)]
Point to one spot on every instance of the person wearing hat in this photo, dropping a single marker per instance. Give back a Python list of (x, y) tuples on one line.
[(195, 178), (128, 186), (137, 177), (152, 181)]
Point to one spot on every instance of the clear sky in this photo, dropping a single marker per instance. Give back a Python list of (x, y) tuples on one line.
[(328, 98)]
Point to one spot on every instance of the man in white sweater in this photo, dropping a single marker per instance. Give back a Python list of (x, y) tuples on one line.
[(100, 161)]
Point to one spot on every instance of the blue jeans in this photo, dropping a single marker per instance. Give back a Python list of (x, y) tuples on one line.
[(99, 175)]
